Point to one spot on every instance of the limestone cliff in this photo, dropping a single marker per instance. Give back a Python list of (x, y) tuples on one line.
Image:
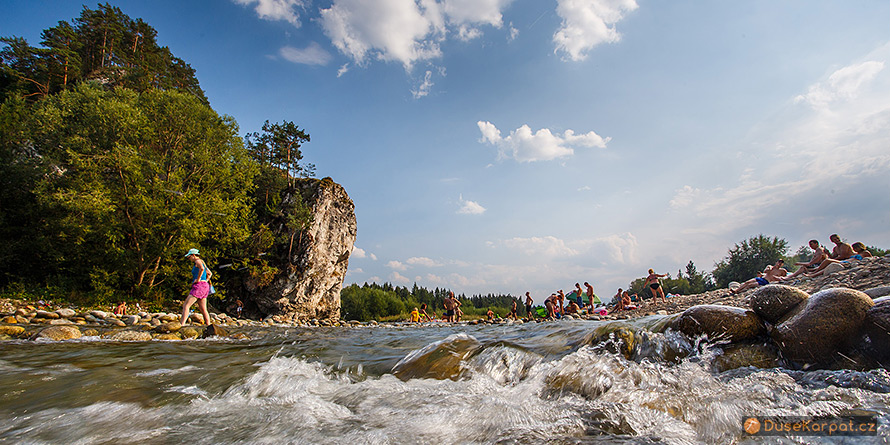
[(309, 286)]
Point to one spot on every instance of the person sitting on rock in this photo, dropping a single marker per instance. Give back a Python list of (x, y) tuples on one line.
[(572, 308), (490, 314), (819, 255), (841, 250), (423, 313), (861, 250), (121, 309), (771, 274)]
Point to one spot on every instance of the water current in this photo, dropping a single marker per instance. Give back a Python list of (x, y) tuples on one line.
[(438, 384)]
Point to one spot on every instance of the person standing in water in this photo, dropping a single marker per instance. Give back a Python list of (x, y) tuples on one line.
[(200, 287), (528, 306), (655, 285)]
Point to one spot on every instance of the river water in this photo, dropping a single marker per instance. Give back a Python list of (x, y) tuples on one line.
[(436, 384)]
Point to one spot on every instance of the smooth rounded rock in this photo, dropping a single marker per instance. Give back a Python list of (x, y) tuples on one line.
[(877, 328), (9, 320), (60, 321), (189, 332), (90, 333), (774, 301), (130, 336), (744, 355), (168, 327), (12, 331), (731, 323), (214, 331), (820, 326), (66, 313), (167, 336), (99, 314), (59, 333), (47, 315), (878, 292)]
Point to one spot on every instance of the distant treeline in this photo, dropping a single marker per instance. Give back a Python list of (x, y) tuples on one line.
[(387, 302)]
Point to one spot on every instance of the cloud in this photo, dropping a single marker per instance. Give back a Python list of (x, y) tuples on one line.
[(845, 83), (388, 30), (396, 265), (311, 55), (588, 23), (276, 9), (343, 70), (405, 31), (815, 159), (514, 33), (424, 88), (547, 246), (525, 146), (422, 261), (358, 252), (399, 279), (470, 207)]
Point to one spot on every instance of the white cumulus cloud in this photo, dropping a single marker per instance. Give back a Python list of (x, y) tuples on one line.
[(422, 261), (845, 83), (313, 54), (588, 23), (525, 146), (547, 246), (396, 265), (424, 88), (276, 9), (468, 207)]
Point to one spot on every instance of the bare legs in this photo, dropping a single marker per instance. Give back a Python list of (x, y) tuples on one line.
[(202, 305)]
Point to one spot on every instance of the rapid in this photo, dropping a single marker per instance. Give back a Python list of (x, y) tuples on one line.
[(565, 382)]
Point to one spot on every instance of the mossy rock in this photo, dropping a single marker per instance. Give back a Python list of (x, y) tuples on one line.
[(762, 356), (12, 331), (59, 333), (189, 332)]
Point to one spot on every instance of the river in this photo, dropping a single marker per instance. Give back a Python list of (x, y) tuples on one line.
[(435, 383)]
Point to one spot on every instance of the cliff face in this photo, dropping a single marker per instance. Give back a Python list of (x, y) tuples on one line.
[(310, 285)]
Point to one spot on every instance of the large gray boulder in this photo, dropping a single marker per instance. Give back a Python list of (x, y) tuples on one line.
[(731, 323), (310, 283), (774, 301), (821, 326), (877, 329)]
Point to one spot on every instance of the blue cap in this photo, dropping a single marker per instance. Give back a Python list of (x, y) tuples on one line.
[(192, 252)]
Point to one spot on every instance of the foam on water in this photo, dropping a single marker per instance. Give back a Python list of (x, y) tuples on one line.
[(464, 388)]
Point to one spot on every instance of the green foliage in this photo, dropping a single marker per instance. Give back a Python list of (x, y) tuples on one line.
[(386, 302), (127, 182), (748, 258), (876, 251), (102, 44), (278, 147)]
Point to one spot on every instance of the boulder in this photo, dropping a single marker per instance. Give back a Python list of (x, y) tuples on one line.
[(60, 321), (743, 355), (189, 332), (90, 333), (115, 322), (101, 315), (774, 301), (822, 325), (9, 320), (878, 292), (169, 317), (214, 331), (168, 327), (832, 268), (167, 336), (312, 273), (47, 315), (12, 331), (66, 313), (130, 320), (877, 329), (732, 323), (130, 336), (58, 333)]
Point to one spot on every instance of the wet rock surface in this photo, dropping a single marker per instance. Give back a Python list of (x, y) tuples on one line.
[(822, 325), (721, 322)]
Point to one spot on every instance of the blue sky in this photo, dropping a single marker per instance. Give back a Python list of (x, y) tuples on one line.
[(512, 146)]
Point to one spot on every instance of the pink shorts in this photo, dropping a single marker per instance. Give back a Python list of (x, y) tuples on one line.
[(200, 290)]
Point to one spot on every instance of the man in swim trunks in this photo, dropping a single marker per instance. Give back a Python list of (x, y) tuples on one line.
[(841, 251), (450, 306), (819, 255), (771, 274), (590, 294), (528, 306)]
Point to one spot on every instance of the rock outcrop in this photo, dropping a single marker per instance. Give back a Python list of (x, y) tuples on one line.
[(309, 285)]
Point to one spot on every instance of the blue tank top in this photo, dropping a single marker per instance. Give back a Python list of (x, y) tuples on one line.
[(195, 270)]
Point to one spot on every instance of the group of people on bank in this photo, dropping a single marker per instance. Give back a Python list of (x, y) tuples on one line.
[(821, 259)]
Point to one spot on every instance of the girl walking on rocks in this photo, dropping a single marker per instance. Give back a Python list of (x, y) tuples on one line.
[(200, 287)]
